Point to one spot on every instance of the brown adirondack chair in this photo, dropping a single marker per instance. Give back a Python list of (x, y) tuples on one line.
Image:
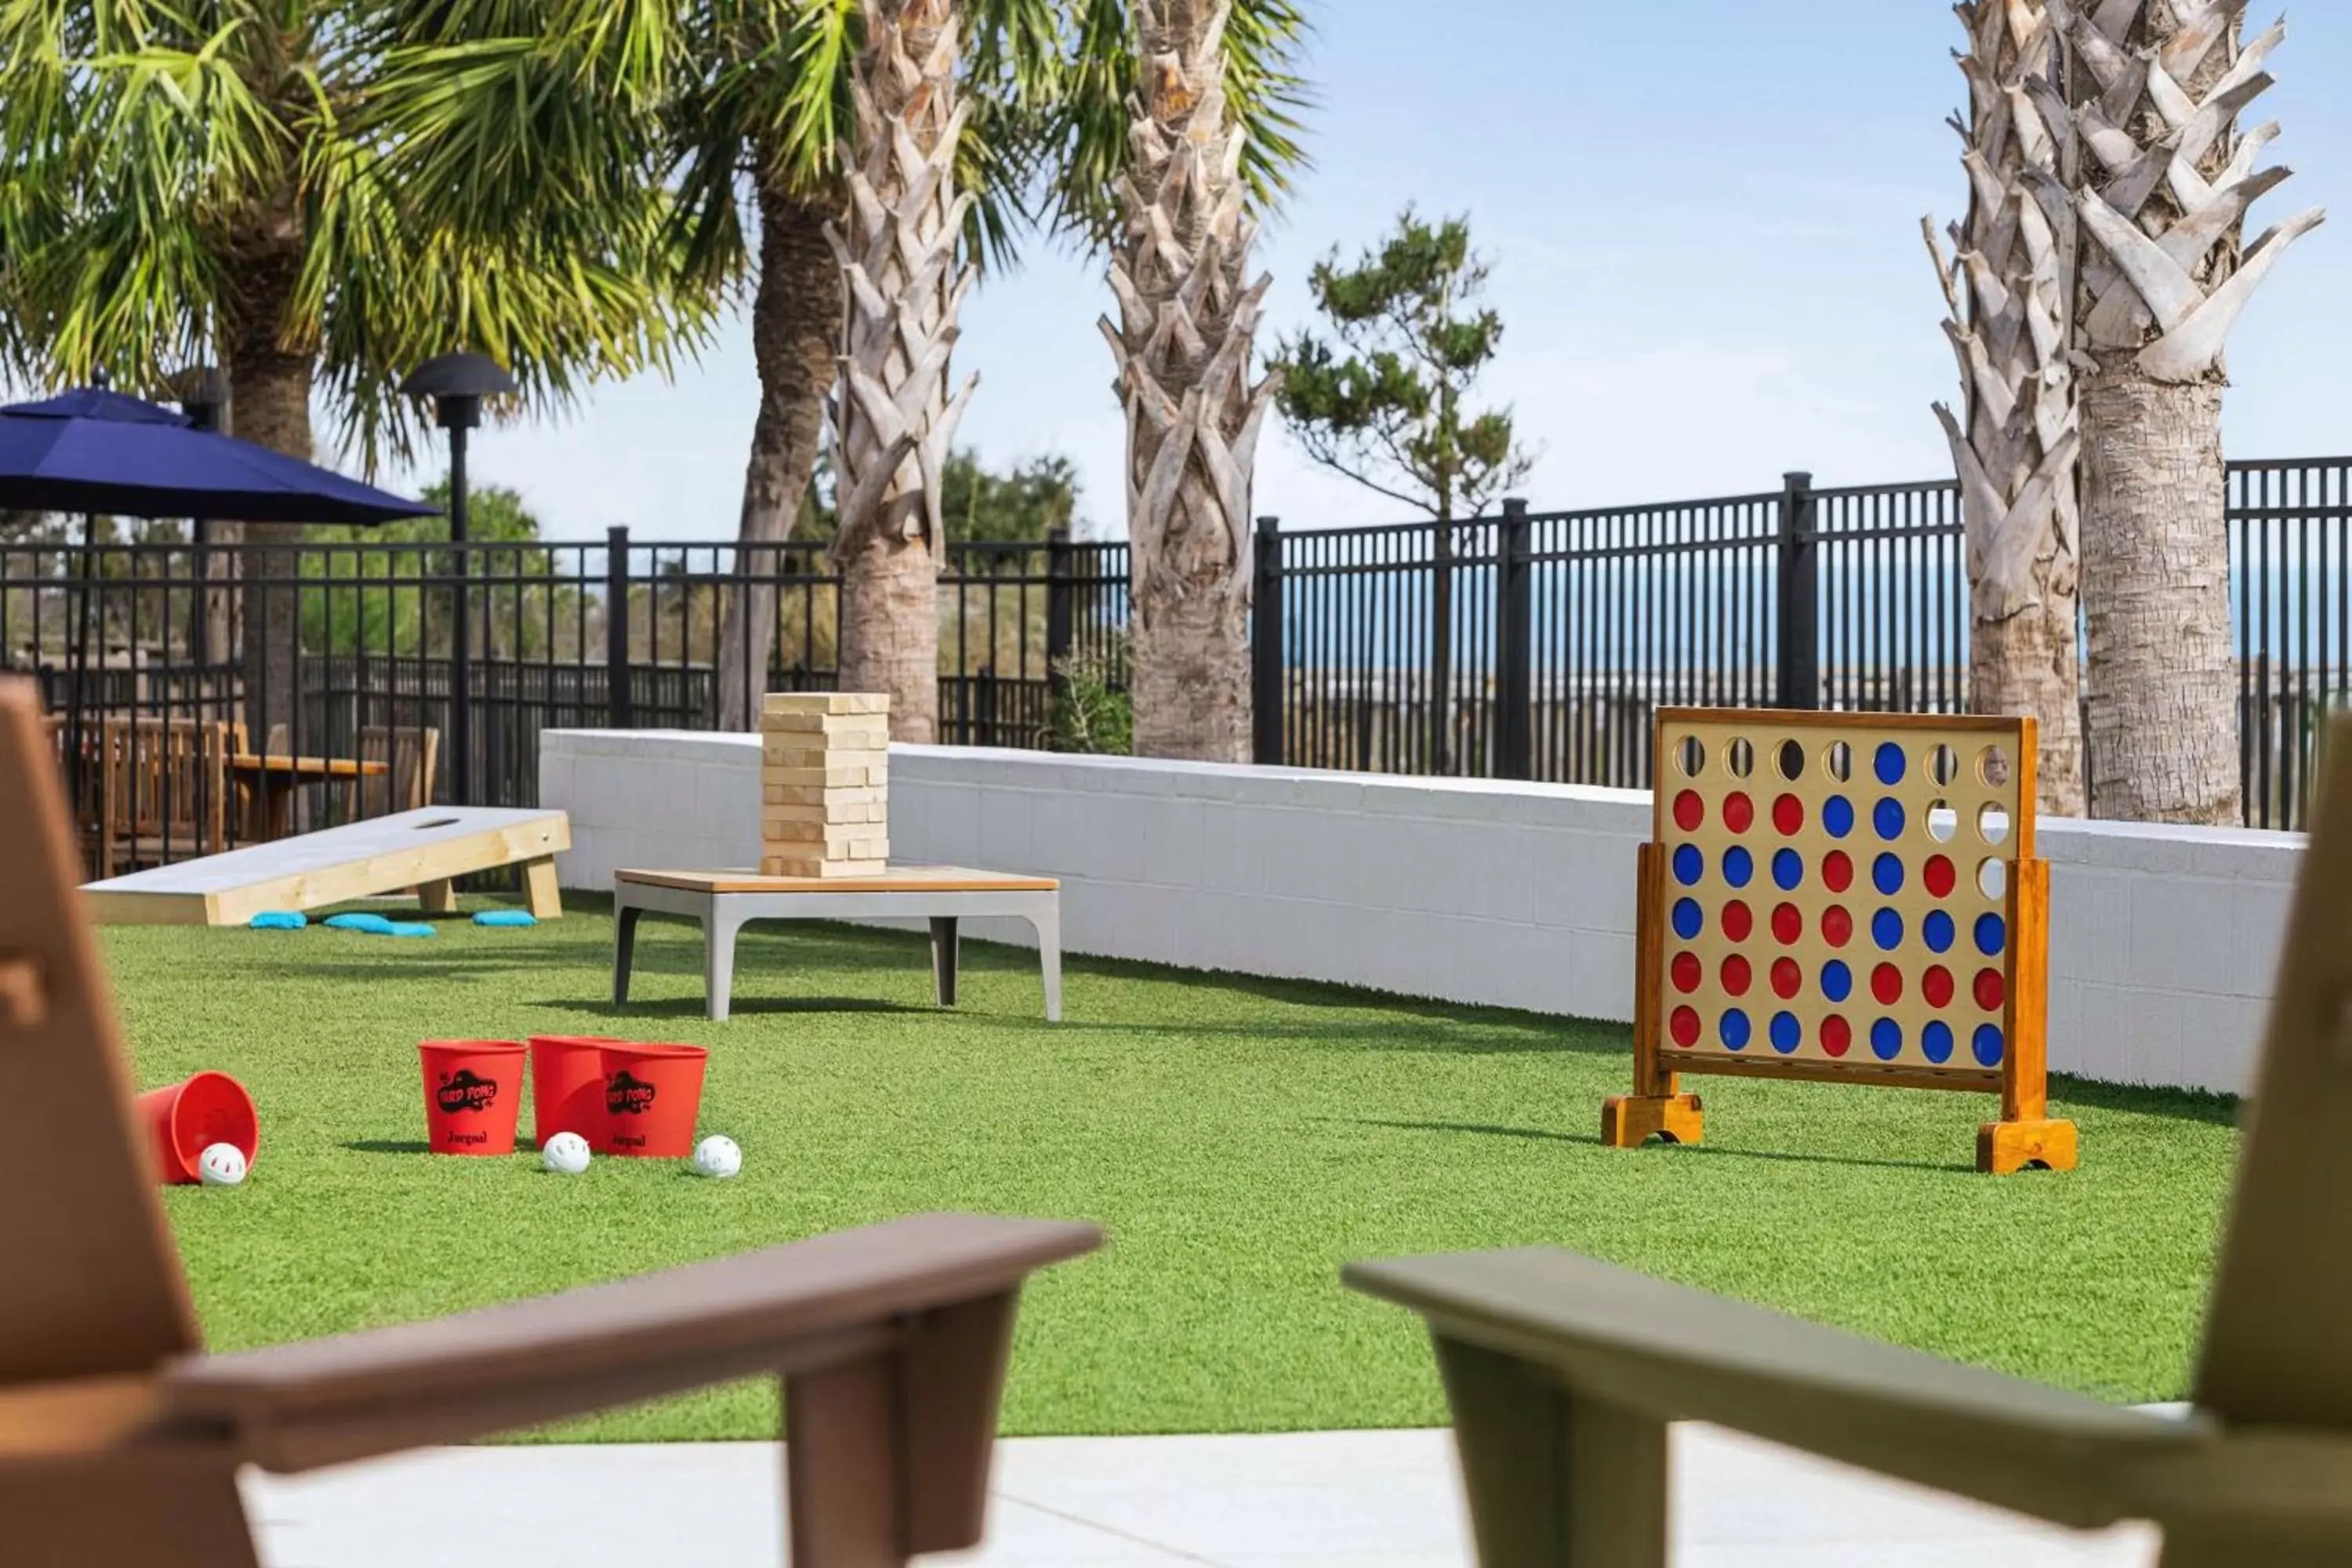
[(120, 1440), (1562, 1373)]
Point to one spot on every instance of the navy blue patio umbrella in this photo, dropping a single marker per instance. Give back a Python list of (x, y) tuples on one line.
[(90, 450)]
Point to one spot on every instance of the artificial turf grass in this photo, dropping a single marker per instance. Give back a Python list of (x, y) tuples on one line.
[(1240, 1139)]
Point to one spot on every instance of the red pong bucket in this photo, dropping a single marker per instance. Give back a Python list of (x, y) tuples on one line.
[(652, 1095), (567, 1086), (473, 1091), (191, 1116)]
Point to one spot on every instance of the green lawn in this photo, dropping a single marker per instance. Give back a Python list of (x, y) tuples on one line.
[(1240, 1139)]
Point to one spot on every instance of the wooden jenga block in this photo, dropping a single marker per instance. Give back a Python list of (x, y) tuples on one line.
[(825, 702), (773, 793), (804, 866), (822, 778), (793, 749)]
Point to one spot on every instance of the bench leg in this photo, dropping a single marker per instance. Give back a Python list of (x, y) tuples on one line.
[(437, 897), (944, 954), (625, 951), (1047, 923), (544, 898), (717, 963)]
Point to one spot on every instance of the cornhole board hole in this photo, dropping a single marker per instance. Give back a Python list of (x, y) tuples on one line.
[(423, 849)]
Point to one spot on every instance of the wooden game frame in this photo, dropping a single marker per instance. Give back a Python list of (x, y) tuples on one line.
[(2025, 1135)]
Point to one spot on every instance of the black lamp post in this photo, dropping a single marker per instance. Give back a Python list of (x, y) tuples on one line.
[(203, 396), (457, 384)]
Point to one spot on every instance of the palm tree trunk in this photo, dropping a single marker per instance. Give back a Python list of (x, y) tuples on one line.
[(893, 416), (2156, 89), (795, 322), (2016, 443), (1187, 321), (269, 405)]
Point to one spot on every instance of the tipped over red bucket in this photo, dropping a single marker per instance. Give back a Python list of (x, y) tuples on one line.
[(473, 1092), (652, 1095), (191, 1116), (567, 1086)]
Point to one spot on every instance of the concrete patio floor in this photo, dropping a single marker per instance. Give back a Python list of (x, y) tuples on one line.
[(1370, 1499)]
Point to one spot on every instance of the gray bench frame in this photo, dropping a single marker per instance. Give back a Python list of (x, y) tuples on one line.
[(724, 914)]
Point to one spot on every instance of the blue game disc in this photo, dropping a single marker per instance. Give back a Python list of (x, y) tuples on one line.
[(1887, 817), (1837, 816), (1886, 930), (1738, 867), (1987, 1045), (1887, 874), (1992, 932), (1939, 931), (1837, 980), (1787, 1033), (1888, 763), (1736, 1030), (1886, 1039), (1688, 919), (1788, 869), (1689, 865), (1936, 1042)]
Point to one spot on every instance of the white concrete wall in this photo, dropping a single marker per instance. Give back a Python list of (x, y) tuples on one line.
[(2162, 939)]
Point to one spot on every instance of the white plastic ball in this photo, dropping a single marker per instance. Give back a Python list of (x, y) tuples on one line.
[(717, 1158), (566, 1153), (221, 1165)]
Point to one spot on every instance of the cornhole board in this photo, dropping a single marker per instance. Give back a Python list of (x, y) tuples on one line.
[(422, 849)]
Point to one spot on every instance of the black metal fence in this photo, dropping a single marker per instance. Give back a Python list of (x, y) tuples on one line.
[(1538, 645), (1523, 645)]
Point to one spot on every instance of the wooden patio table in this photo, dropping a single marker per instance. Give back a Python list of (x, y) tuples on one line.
[(268, 783), (724, 901)]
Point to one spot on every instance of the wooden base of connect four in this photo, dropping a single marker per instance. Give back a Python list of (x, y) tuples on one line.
[(2004, 1148), (1630, 1121)]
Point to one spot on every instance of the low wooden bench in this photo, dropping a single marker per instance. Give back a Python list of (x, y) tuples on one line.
[(726, 901)]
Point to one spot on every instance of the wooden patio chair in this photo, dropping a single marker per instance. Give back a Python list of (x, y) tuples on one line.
[(410, 753), (163, 790), (120, 1440), (1562, 1373)]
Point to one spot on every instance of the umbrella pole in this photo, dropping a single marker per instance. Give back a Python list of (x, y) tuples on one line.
[(80, 667)]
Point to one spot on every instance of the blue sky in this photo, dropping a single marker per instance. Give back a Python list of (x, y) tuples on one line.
[(1703, 218)]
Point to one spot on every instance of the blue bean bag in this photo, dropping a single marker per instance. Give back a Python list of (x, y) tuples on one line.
[(279, 919), (506, 918)]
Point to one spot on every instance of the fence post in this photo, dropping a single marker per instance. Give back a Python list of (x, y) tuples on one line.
[(620, 711), (1266, 645), (1515, 673), (1799, 684)]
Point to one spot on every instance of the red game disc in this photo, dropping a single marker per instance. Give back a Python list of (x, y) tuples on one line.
[(1990, 992), (1683, 1025), (1737, 975), (1887, 983), (1837, 870), (1837, 926), (1739, 812), (1738, 921), (1689, 811), (1788, 924), (1936, 986), (1837, 1035), (1940, 877), (1788, 978), (1687, 972), (1788, 814)]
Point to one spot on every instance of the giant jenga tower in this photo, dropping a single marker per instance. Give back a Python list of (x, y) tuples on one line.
[(825, 777)]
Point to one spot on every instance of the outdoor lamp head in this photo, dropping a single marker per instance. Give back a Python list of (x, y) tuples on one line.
[(202, 393), (457, 384)]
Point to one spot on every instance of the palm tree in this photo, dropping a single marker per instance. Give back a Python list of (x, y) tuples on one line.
[(2156, 89), (2009, 285), (219, 179), (1181, 132)]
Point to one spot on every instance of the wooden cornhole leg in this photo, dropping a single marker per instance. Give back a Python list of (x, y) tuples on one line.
[(1655, 1108), (544, 899), (437, 897)]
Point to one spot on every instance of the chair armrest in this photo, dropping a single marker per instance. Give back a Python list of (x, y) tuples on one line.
[(797, 1309), (1676, 1353)]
